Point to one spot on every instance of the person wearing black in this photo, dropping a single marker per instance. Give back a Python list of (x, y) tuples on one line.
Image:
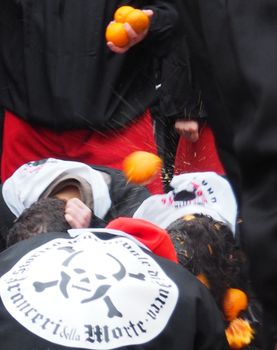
[(234, 51), (73, 95), (102, 289)]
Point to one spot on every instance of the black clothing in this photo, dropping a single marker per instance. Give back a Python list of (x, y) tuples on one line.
[(233, 44), (56, 70), (125, 198), (179, 97), (204, 75), (195, 323), (179, 93)]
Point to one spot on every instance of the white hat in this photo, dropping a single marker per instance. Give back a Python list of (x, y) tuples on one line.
[(193, 193), (32, 180)]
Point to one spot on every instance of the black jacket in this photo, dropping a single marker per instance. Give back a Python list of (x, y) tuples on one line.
[(125, 197), (195, 323), (234, 47), (57, 72), (179, 93)]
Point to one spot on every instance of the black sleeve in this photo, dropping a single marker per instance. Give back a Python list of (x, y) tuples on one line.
[(180, 96), (96, 222), (210, 327), (126, 197), (252, 28), (164, 20), (163, 26), (242, 52)]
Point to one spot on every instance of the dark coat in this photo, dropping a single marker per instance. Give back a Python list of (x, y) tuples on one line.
[(195, 323), (233, 44), (56, 70)]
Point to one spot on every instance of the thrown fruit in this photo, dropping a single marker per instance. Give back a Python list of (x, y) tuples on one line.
[(141, 167)]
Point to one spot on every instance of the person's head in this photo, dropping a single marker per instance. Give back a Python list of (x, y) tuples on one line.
[(45, 215), (207, 247)]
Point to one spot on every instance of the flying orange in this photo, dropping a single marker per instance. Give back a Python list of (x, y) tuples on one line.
[(141, 167)]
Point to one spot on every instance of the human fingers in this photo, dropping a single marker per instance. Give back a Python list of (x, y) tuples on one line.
[(149, 13), (77, 214)]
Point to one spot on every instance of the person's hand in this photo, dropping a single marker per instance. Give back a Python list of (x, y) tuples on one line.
[(188, 129), (77, 214), (134, 38)]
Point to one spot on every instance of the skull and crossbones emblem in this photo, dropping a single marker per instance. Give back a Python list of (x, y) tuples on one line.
[(69, 276)]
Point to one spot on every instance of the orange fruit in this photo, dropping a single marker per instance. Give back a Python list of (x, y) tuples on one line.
[(202, 278), (235, 301), (121, 13), (138, 20), (116, 33), (239, 333), (141, 167)]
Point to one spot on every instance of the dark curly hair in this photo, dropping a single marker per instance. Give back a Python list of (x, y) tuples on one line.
[(45, 215), (205, 246)]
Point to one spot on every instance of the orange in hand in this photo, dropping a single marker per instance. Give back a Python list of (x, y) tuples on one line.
[(239, 333), (121, 13), (235, 301), (138, 20), (141, 167), (116, 33)]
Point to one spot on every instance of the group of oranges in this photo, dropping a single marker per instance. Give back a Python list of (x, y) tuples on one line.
[(116, 31), (239, 332)]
